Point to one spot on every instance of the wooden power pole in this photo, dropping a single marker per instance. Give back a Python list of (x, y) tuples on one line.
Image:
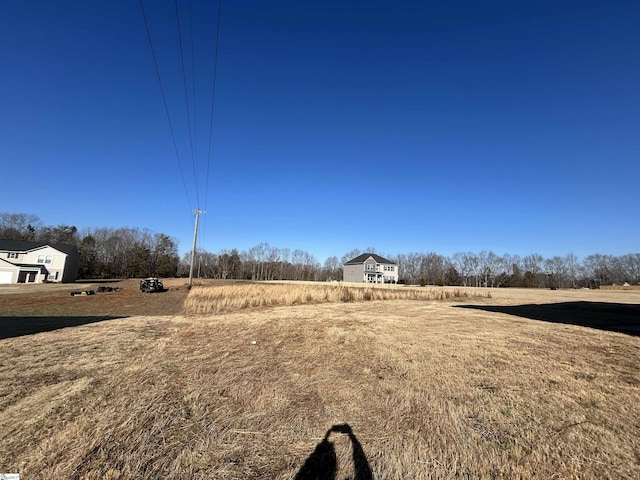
[(197, 211)]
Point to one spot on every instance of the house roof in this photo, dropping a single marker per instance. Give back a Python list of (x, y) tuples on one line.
[(362, 258), (22, 246), (14, 265)]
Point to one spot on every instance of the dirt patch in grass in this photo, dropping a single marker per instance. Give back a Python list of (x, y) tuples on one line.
[(29, 309), (429, 390)]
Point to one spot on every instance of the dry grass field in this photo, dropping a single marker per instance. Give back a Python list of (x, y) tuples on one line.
[(524, 384)]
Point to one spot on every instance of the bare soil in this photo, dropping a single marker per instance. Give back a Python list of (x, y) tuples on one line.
[(28, 309)]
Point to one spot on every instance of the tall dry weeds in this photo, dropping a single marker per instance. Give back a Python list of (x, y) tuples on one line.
[(225, 298)]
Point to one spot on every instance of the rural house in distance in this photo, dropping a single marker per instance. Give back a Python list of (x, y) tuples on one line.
[(370, 268), (37, 262)]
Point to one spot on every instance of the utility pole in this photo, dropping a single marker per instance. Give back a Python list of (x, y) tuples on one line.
[(197, 211)]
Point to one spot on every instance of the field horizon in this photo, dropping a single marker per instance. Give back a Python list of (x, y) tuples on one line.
[(512, 386)]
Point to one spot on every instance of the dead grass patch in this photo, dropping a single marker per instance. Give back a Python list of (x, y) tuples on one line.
[(225, 298), (431, 391)]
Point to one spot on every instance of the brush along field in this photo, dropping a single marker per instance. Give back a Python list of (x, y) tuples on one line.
[(514, 387)]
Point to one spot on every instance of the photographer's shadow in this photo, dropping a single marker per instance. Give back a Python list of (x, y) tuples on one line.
[(322, 464)]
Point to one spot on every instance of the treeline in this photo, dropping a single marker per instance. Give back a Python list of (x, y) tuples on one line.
[(104, 252), (134, 252), (484, 269), (261, 262)]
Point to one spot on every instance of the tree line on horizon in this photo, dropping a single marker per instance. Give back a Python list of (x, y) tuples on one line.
[(133, 252)]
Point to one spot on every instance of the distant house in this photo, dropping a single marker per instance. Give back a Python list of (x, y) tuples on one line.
[(370, 268), (37, 262)]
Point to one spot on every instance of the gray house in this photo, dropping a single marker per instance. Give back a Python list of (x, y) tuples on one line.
[(370, 268), (37, 262)]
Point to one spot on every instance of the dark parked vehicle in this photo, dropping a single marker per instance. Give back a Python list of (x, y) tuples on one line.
[(150, 285)]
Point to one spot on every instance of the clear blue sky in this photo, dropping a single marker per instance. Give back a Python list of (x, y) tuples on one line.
[(405, 126)]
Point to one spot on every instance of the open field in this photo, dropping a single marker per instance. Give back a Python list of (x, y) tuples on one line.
[(126, 385)]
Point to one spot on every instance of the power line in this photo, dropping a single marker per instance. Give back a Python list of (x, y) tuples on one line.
[(186, 101), (164, 100), (213, 100), (191, 127), (193, 85)]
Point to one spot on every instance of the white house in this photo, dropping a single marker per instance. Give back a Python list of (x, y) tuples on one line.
[(370, 268), (37, 262)]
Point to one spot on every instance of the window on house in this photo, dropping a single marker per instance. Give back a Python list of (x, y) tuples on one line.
[(369, 266), (40, 258), (12, 255), (53, 275), (48, 259)]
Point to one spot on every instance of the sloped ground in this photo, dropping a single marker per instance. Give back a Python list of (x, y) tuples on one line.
[(429, 389)]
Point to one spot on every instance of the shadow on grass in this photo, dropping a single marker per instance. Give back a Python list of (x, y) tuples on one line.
[(11, 327), (322, 464), (613, 317)]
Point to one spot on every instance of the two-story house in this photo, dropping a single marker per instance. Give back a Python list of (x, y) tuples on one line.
[(37, 262), (370, 268)]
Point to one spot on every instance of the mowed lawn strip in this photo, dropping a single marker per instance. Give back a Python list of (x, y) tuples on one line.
[(430, 390)]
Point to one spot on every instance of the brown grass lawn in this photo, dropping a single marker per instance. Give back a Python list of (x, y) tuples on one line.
[(124, 385)]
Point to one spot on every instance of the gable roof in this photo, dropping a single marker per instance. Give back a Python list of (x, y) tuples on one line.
[(362, 258), (22, 246), (42, 267)]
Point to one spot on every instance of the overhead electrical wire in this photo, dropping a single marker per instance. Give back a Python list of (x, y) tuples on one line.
[(213, 101), (164, 100), (193, 83), (192, 128), (186, 101)]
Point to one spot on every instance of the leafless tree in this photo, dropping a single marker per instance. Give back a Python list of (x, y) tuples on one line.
[(630, 265), (19, 226), (409, 266), (557, 270), (350, 255), (573, 268), (466, 264), (598, 269), (534, 270), (332, 269)]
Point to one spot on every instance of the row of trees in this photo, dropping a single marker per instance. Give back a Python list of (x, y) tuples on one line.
[(127, 253), (490, 270), (134, 252), (261, 262), (484, 269), (104, 252)]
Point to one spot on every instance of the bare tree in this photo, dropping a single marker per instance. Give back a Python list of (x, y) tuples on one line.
[(533, 266), (557, 270), (60, 234), (496, 269), (409, 266), (630, 266), (350, 256), (466, 264), (19, 226), (332, 269), (598, 268), (573, 268)]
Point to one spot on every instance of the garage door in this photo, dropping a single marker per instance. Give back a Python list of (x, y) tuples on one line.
[(5, 277)]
